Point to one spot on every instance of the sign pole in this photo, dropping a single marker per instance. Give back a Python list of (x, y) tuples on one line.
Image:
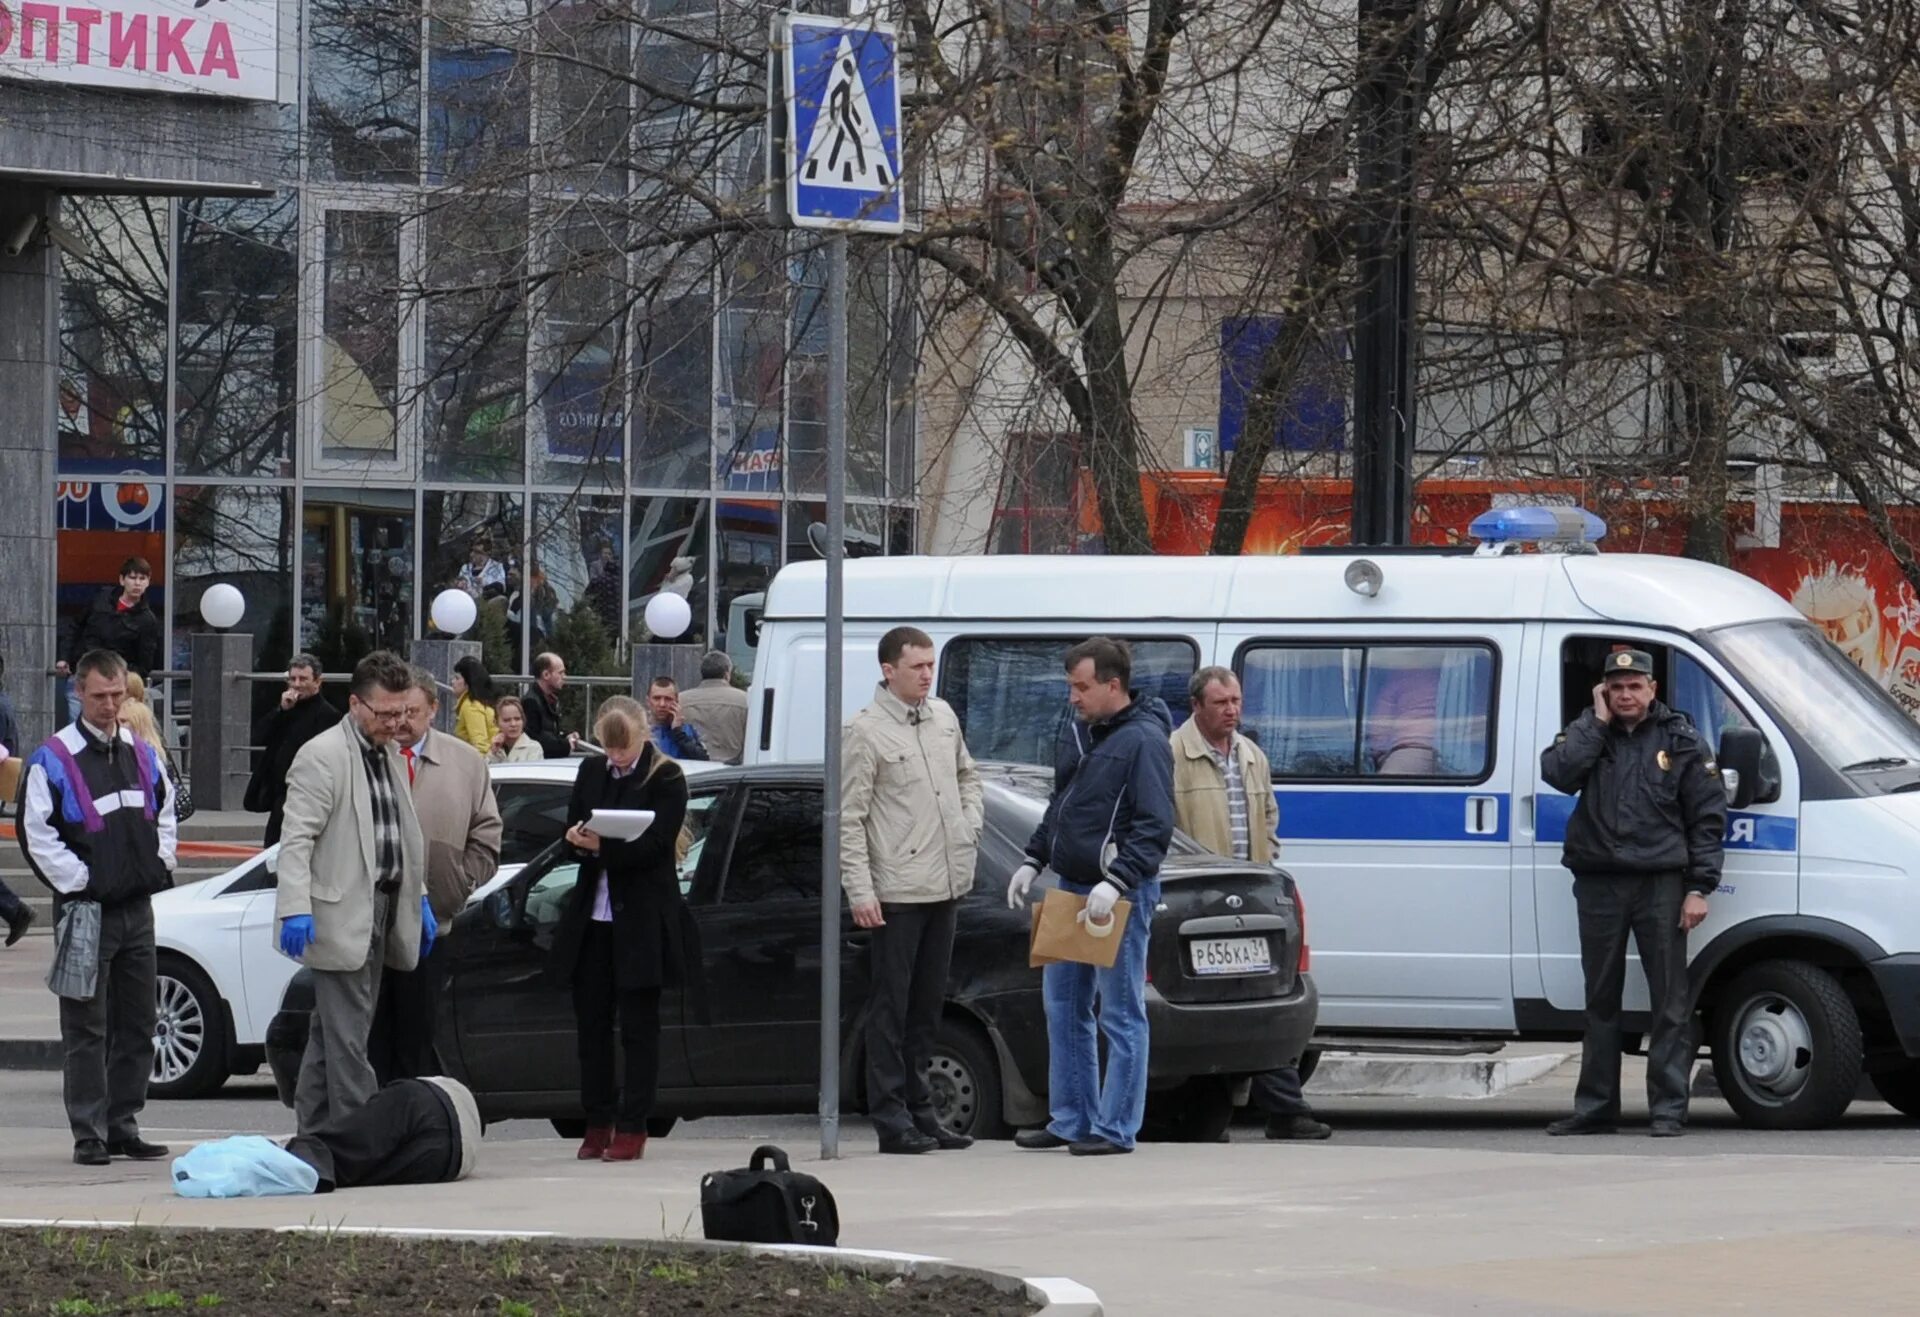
[(836, 659)]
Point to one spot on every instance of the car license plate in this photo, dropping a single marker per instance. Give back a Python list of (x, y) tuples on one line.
[(1231, 955)]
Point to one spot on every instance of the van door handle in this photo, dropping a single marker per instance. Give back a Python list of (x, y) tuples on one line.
[(1483, 816), (1526, 815)]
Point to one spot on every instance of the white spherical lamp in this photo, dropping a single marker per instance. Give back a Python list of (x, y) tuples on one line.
[(222, 606), (668, 615), (454, 611)]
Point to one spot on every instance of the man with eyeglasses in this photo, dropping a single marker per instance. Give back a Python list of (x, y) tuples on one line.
[(352, 884)]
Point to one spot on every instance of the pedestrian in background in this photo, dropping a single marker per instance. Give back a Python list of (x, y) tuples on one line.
[(1223, 799), (1105, 833), (352, 883), (17, 914), (670, 733), (1645, 847), (119, 620), (137, 717), (910, 823), (474, 719), (511, 744), (460, 823), (97, 827), (303, 714), (542, 706), (624, 933), (717, 709)]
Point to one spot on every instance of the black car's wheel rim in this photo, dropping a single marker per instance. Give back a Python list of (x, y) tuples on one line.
[(956, 1094), (179, 1030)]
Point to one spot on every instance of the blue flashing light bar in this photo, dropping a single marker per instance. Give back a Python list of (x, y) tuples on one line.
[(1537, 526)]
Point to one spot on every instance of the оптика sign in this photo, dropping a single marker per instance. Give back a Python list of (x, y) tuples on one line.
[(184, 47)]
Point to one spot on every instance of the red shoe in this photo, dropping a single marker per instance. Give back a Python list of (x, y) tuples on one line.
[(598, 1137), (626, 1148)]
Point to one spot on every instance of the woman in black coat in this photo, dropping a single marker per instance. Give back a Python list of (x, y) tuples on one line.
[(620, 939)]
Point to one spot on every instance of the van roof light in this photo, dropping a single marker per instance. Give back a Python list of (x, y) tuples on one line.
[(1504, 530)]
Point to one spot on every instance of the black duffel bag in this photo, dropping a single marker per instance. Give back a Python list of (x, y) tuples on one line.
[(761, 1206)]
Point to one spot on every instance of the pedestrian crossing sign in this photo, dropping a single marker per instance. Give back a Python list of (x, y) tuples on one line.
[(843, 124)]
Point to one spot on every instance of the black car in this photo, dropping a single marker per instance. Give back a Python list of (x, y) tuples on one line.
[(752, 877)]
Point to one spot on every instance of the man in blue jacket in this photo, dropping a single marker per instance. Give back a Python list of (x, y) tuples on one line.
[(1105, 833)]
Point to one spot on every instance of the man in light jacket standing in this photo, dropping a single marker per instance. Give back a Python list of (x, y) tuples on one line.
[(1223, 799), (352, 883), (460, 822), (909, 824), (717, 709)]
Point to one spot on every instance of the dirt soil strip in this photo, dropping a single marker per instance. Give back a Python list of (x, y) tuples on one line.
[(78, 1273)]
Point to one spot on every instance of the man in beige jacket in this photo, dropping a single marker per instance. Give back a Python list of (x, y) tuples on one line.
[(1223, 799), (351, 897), (460, 821), (909, 825)]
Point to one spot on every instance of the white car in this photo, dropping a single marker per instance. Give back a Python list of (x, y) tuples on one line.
[(221, 973)]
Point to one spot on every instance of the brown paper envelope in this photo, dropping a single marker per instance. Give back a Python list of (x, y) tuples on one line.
[(1059, 934), (10, 780), (1034, 959)]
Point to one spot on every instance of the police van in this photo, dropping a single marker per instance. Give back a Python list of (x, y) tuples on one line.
[(1403, 699)]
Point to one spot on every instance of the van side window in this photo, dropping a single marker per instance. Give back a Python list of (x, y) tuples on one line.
[(1695, 693), (1351, 711), (1010, 692), (1682, 683)]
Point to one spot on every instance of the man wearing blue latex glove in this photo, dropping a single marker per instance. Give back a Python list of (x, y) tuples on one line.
[(429, 928), (352, 875), (1105, 833)]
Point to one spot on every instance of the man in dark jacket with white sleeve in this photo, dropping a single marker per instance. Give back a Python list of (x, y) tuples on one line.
[(1644, 845), (1105, 833)]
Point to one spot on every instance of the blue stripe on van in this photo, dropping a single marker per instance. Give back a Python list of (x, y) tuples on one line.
[(1745, 831), (1369, 814)]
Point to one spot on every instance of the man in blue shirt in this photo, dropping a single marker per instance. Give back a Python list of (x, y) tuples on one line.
[(671, 734)]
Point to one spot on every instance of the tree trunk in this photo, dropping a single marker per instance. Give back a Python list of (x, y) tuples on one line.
[(1114, 445)]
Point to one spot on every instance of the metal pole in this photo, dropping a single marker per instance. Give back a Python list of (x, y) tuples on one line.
[(836, 626)]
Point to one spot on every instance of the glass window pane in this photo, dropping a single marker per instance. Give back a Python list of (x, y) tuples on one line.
[(473, 544), (476, 342), (360, 343), (749, 555), (1426, 711), (776, 855), (752, 360), (1011, 694), (363, 90), (241, 535), (113, 336), (580, 337), (477, 84), (1303, 707), (356, 573), (866, 530), (1695, 693), (674, 429), (664, 532), (584, 98), (237, 338), (578, 540), (99, 525)]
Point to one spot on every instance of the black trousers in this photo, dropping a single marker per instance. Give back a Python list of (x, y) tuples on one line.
[(911, 953), (400, 1045), (109, 1037), (1278, 1093), (1648, 906), (597, 1000)]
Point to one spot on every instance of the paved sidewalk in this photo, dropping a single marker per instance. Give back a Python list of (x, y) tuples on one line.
[(1334, 1230)]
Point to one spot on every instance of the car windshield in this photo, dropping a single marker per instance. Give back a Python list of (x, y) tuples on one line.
[(1846, 718)]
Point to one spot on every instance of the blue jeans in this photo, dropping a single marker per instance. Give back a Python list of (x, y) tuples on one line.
[(1083, 1106)]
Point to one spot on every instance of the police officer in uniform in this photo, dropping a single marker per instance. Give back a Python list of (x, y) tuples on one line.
[(1644, 845)]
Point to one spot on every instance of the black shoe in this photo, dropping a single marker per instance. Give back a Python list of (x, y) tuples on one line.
[(17, 925), (1667, 1129), (137, 1148), (908, 1143), (90, 1152), (946, 1138), (1036, 1140), (1297, 1127), (1581, 1125), (1097, 1148)]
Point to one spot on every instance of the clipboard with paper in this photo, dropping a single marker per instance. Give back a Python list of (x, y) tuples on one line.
[(619, 824)]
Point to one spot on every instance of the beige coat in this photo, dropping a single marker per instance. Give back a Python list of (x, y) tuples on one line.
[(718, 711), (460, 820), (1200, 795), (526, 750), (326, 855), (910, 808)]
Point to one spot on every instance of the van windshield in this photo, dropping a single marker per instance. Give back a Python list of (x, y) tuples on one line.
[(1846, 718)]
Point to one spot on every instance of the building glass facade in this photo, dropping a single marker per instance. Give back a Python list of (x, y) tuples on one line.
[(439, 354)]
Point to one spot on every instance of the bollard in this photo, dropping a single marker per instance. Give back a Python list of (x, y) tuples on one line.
[(219, 727)]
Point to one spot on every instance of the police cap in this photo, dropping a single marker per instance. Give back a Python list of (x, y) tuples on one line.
[(1623, 662)]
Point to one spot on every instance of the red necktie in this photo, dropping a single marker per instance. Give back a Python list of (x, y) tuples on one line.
[(408, 752)]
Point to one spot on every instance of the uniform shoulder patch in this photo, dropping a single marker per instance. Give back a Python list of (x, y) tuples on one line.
[(1712, 768)]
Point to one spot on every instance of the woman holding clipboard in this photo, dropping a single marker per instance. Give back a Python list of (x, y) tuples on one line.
[(620, 939)]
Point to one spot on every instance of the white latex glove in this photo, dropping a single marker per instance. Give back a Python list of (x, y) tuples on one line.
[(1100, 903), (1018, 886)]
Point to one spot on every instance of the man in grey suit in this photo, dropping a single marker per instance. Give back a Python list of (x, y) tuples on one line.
[(352, 886)]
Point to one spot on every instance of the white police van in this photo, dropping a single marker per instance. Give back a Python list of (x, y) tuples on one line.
[(1403, 699)]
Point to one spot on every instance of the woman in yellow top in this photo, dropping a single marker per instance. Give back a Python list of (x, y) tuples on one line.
[(473, 697)]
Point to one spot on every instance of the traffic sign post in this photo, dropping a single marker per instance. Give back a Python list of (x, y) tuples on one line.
[(837, 84)]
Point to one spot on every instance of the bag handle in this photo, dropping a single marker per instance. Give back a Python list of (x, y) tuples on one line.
[(766, 1152)]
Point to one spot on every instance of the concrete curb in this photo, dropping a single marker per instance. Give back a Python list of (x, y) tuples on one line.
[(1059, 1296), (1465, 1077)]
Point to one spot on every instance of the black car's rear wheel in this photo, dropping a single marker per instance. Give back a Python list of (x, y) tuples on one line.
[(965, 1081)]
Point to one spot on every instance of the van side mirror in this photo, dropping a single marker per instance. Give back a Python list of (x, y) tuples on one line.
[(1743, 755)]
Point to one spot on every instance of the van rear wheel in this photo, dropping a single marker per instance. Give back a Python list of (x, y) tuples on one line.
[(1787, 1050)]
